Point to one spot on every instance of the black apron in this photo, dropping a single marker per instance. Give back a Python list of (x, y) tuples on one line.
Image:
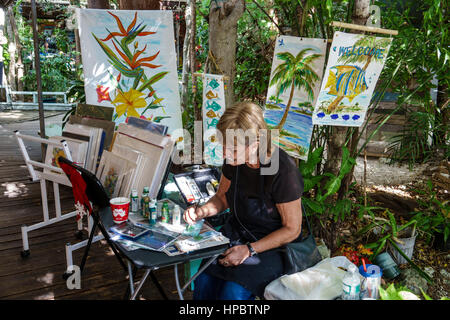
[(251, 219)]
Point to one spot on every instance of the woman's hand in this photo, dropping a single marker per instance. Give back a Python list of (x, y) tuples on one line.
[(191, 215), (235, 256)]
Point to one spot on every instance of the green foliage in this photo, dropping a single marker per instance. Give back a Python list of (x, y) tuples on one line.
[(56, 72), (393, 293), (413, 144), (425, 42), (389, 233), (325, 186), (254, 54), (432, 215), (399, 292)]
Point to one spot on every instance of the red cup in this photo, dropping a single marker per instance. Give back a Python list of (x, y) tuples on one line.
[(119, 208)]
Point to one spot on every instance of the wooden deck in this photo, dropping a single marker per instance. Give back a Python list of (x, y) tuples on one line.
[(39, 276)]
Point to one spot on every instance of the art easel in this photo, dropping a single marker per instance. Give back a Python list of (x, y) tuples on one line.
[(57, 177)]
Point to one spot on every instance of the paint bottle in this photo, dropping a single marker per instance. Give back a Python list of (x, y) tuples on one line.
[(145, 193), (165, 212), (146, 207), (176, 215), (134, 201), (153, 212)]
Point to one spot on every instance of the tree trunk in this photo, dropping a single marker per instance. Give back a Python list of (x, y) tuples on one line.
[(76, 3), (186, 54), (360, 15), (99, 4), (332, 106), (139, 5), (15, 71), (192, 64), (223, 18), (11, 74), (288, 106)]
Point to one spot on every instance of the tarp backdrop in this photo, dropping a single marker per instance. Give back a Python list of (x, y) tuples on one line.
[(354, 64), (297, 69), (129, 63)]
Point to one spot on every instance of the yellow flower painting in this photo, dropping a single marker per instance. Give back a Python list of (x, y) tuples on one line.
[(128, 102)]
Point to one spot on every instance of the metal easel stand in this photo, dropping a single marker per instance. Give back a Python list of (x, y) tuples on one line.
[(135, 289), (48, 174)]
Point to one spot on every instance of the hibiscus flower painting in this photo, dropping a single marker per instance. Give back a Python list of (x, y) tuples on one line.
[(129, 64)]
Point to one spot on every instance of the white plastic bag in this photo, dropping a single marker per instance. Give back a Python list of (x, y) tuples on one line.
[(320, 282)]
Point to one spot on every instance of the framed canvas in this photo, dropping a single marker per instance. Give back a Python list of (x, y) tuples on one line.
[(113, 172), (148, 125), (95, 112), (133, 156), (86, 133), (157, 150), (77, 148), (107, 126)]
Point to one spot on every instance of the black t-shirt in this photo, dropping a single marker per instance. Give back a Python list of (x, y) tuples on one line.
[(284, 186)]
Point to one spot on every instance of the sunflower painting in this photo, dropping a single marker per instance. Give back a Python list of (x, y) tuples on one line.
[(354, 65), (129, 64)]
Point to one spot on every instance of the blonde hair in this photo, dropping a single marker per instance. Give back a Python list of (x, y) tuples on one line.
[(248, 117)]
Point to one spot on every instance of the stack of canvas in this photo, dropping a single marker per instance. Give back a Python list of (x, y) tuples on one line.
[(94, 137), (145, 151)]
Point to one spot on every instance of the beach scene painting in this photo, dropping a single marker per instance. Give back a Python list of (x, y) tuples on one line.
[(354, 65), (129, 63), (295, 78)]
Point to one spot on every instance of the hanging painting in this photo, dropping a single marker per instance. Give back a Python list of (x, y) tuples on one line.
[(297, 69), (354, 65), (129, 63), (213, 108)]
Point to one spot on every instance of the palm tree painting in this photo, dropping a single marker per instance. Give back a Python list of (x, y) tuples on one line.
[(295, 73), (294, 84)]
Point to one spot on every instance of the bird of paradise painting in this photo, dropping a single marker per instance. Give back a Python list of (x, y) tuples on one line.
[(129, 63), (294, 84), (354, 65)]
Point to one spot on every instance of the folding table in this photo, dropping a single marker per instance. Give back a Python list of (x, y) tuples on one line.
[(153, 260)]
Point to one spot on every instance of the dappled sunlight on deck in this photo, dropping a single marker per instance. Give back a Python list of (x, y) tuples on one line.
[(14, 189)]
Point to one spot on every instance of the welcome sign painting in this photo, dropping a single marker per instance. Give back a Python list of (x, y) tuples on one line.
[(297, 70), (354, 66), (129, 63)]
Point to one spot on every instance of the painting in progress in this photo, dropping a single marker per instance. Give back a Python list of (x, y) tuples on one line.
[(213, 108), (294, 85), (355, 62), (129, 63)]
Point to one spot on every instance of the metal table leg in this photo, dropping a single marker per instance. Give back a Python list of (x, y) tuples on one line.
[(177, 281), (141, 283)]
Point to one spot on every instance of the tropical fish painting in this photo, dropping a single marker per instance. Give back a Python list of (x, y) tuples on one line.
[(213, 84), (210, 95), (297, 69), (212, 123), (211, 114), (354, 65), (213, 108), (129, 64), (213, 105)]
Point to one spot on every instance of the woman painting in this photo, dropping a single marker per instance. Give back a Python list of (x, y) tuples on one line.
[(265, 212)]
